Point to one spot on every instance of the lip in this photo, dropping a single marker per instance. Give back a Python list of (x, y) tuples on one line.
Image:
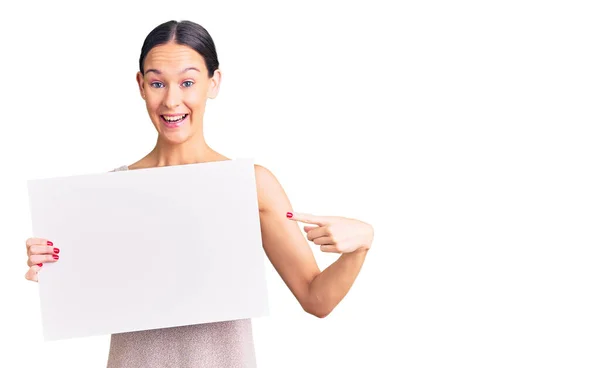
[(170, 125)]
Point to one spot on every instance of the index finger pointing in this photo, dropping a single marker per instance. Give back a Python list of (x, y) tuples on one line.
[(307, 218)]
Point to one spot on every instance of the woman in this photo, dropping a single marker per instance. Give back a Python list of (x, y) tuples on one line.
[(178, 72)]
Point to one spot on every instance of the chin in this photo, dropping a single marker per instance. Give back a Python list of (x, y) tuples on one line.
[(175, 137)]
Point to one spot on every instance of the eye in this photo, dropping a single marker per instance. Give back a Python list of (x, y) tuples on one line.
[(187, 84), (156, 85)]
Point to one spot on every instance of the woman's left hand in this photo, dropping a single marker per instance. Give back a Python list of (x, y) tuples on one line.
[(336, 234)]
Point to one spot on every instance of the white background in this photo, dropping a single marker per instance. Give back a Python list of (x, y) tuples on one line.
[(466, 132)]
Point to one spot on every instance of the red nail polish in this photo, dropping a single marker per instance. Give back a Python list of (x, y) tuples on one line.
[(40, 264), (56, 250), (55, 256), (289, 215), (49, 243)]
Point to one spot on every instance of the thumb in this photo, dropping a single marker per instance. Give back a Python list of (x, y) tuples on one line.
[(309, 228)]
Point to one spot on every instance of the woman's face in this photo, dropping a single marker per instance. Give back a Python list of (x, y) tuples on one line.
[(175, 86)]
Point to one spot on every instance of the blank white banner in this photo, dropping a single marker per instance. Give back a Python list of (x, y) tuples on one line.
[(150, 248)]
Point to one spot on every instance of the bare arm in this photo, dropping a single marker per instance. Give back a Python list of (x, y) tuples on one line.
[(289, 252), (331, 286)]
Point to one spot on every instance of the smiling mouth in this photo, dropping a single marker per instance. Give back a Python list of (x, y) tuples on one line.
[(173, 119)]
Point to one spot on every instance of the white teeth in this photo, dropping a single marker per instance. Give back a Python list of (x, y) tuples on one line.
[(174, 119)]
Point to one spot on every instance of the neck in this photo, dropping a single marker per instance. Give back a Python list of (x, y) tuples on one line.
[(194, 150)]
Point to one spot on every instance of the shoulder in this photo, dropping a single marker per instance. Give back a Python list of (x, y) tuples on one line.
[(265, 179), (270, 192), (263, 174)]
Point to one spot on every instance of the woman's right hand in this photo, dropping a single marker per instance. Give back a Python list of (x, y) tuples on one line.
[(39, 251)]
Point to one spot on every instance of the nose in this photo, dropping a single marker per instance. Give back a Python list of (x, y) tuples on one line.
[(172, 98)]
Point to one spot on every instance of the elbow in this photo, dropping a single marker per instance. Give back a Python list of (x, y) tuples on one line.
[(317, 309), (321, 314)]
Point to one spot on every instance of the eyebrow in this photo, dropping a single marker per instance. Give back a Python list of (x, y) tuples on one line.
[(183, 71)]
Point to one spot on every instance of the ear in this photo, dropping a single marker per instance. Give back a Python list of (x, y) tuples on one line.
[(140, 81), (214, 84)]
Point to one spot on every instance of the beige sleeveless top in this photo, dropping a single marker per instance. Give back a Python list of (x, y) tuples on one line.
[(221, 345)]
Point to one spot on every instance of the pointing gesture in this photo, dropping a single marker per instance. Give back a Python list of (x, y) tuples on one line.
[(335, 234)]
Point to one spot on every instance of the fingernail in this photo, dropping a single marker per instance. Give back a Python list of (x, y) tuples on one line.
[(56, 250), (55, 256), (40, 264), (49, 243), (289, 215)]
